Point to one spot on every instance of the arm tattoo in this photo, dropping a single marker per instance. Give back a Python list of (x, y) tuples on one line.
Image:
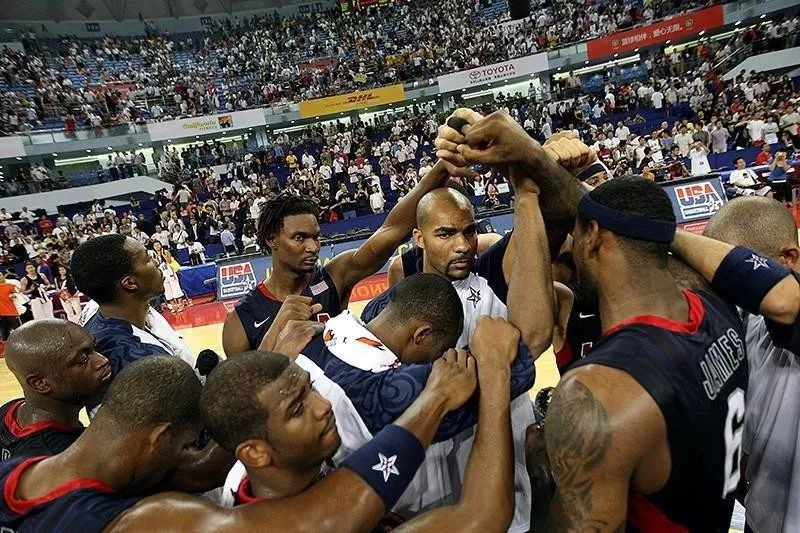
[(578, 438)]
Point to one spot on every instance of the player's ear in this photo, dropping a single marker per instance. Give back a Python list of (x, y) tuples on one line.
[(39, 384), (422, 332), (254, 453), (128, 283), (416, 234), (159, 437), (790, 256), (593, 238)]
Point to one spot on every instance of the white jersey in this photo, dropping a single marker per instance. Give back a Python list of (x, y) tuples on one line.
[(772, 432)]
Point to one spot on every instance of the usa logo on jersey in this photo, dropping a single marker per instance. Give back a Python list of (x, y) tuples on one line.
[(698, 200), (236, 280)]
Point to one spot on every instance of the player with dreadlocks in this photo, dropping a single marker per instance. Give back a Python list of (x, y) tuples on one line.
[(298, 287)]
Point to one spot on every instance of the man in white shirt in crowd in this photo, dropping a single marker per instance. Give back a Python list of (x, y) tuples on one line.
[(622, 132), (698, 155), (26, 215), (719, 138), (745, 182), (755, 128), (657, 99), (308, 160), (790, 120), (684, 141)]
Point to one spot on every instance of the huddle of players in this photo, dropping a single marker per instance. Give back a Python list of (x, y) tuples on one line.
[(645, 429)]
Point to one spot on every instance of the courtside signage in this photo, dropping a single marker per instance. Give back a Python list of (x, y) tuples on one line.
[(189, 127), (697, 200), (352, 101), (492, 73), (236, 280), (657, 33)]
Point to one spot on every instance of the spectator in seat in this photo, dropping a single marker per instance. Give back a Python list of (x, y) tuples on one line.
[(764, 157), (745, 182)]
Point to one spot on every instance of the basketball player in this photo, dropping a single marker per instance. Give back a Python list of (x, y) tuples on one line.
[(150, 415), (772, 419), (116, 273), (410, 261), (288, 228), (648, 440), (58, 368)]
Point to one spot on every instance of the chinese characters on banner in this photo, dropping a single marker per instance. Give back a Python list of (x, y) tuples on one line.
[(657, 33)]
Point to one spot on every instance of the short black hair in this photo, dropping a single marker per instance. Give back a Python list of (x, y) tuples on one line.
[(230, 405), (635, 195), (430, 298), (98, 264), (738, 159), (270, 219), (153, 390)]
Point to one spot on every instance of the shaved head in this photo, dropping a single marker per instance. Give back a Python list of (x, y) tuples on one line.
[(40, 346), (758, 223), (437, 200)]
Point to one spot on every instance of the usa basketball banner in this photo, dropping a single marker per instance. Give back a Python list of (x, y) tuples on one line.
[(352, 101), (657, 33), (236, 276), (695, 199), (189, 127), (493, 73)]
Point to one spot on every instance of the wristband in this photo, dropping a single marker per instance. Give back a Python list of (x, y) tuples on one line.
[(388, 462), (745, 277)]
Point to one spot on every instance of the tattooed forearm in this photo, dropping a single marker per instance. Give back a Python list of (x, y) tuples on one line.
[(578, 439)]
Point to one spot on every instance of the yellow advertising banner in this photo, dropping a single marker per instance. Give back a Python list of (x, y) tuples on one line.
[(352, 101)]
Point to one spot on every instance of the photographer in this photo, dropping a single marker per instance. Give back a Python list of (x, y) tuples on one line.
[(779, 178)]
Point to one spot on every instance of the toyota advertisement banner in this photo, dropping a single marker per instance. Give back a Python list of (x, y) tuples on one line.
[(506, 70)]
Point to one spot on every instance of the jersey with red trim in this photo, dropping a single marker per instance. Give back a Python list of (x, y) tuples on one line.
[(258, 308), (40, 438), (697, 374), (85, 505), (583, 330)]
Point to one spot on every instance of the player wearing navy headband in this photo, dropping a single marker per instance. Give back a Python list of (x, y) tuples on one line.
[(645, 431)]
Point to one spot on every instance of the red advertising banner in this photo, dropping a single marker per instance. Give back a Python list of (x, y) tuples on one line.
[(657, 33)]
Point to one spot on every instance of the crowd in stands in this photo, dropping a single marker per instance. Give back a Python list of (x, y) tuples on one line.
[(359, 169), (263, 61)]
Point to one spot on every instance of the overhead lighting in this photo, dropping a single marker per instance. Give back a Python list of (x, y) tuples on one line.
[(55, 155), (316, 118), (635, 49), (249, 129), (19, 158), (109, 147), (293, 122), (702, 32), (617, 55), (140, 144), (559, 68), (669, 41), (196, 136), (763, 16), (88, 151), (737, 22), (586, 62)]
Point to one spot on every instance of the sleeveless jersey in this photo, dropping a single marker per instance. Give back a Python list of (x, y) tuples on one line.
[(40, 438), (412, 261), (697, 374), (583, 330), (258, 308), (85, 505)]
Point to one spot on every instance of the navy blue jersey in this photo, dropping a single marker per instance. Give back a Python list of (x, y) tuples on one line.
[(258, 308), (583, 330), (697, 374), (40, 438), (785, 336), (411, 260), (85, 505), (380, 398)]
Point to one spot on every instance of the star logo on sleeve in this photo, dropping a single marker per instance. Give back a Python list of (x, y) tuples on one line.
[(474, 297), (386, 465), (757, 262)]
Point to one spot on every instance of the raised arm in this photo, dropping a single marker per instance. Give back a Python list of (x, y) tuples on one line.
[(754, 282), (353, 498), (348, 268), (530, 297), (490, 469)]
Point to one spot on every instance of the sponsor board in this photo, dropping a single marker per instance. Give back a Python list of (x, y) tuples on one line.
[(493, 73), (352, 101), (696, 199), (189, 127), (236, 279)]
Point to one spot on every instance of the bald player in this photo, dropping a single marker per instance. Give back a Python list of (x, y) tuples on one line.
[(150, 415), (58, 368), (772, 419), (641, 433)]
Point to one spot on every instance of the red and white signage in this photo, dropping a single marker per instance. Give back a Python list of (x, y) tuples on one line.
[(656, 33)]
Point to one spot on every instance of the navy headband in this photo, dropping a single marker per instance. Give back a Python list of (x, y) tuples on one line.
[(591, 170), (633, 226)]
